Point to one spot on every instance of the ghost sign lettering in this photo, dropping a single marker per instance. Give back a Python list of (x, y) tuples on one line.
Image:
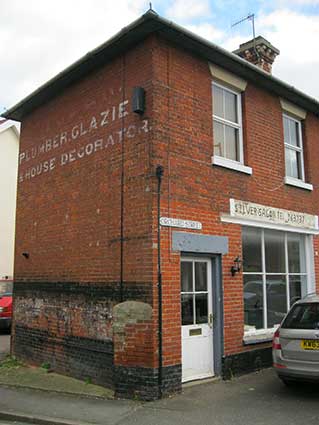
[(79, 142)]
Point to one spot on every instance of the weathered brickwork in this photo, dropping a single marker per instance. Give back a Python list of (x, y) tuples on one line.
[(75, 153)]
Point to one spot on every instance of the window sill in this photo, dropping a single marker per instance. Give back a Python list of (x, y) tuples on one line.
[(232, 165), (298, 183), (258, 336)]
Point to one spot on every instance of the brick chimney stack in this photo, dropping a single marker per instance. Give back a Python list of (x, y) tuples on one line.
[(260, 53)]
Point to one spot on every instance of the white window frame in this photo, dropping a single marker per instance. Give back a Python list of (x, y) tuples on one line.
[(221, 160), (266, 333), (295, 148)]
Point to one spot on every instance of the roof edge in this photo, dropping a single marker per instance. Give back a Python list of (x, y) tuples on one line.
[(149, 23)]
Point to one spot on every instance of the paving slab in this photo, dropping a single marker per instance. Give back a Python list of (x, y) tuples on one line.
[(254, 399), (61, 408), (14, 374)]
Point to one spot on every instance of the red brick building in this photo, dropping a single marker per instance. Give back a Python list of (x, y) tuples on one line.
[(237, 190)]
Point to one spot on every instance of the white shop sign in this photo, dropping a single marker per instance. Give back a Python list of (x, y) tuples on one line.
[(178, 222), (266, 214)]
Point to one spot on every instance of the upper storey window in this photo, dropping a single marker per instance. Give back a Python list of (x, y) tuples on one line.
[(227, 123), (227, 120), (293, 148), (293, 118)]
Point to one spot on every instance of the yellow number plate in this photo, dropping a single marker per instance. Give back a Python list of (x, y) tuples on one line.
[(310, 344)]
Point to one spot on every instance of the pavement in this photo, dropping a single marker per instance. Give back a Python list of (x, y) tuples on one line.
[(254, 399), (31, 395)]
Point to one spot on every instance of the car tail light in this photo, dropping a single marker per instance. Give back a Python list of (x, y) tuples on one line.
[(276, 342), (4, 309)]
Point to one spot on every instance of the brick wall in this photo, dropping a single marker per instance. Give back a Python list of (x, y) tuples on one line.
[(68, 218), (194, 189), (69, 202)]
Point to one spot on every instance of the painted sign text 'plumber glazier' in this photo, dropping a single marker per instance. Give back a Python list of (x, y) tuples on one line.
[(266, 214)]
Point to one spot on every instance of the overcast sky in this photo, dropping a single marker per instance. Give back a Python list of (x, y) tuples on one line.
[(39, 38)]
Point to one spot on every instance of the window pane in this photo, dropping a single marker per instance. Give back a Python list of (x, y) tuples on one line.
[(187, 310), (276, 299), (292, 163), (251, 249), (200, 276), (231, 143), (218, 139), (286, 130), (230, 107), (218, 100), (293, 132), (275, 251), (297, 288), (201, 302), (253, 302), (296, 253), (186, 276)]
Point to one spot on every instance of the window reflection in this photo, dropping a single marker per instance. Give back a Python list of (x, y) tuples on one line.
[(186, 276), (187, 309), (276, 299), (252, 250), (201, 303), (276, 269), (275, 251), (253, 302)]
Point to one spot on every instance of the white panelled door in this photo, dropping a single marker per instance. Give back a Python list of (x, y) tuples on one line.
[(197, 319)]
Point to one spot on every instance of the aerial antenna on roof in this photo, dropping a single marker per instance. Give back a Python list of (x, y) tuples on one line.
[(151, 8), (249, 17)]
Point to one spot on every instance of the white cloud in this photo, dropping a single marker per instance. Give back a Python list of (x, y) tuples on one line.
[(40, 38), (296, 36), (207, 31), (186, 10)]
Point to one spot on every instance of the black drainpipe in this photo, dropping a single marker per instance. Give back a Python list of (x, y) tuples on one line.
[(122, 193), (159, 175)]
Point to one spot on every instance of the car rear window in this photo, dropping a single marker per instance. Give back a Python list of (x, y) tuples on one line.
[(302, 316), (6, 289)]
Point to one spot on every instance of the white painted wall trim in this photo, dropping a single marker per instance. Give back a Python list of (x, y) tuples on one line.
[(298, 183), (226, 218), (227, 77), (293, 109), (10, 124), (232, 165)]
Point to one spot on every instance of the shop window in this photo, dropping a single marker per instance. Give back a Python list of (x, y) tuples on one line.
[(274, 269), (227, 123), (293, 148)]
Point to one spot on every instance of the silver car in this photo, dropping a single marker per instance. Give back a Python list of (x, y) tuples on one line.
[(295, 348)]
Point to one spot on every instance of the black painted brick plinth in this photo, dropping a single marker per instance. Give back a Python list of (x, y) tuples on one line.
[(248, 361), (74, 356), (142, 383)]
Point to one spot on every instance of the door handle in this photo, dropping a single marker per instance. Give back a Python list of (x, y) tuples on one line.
[(211, 318)]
